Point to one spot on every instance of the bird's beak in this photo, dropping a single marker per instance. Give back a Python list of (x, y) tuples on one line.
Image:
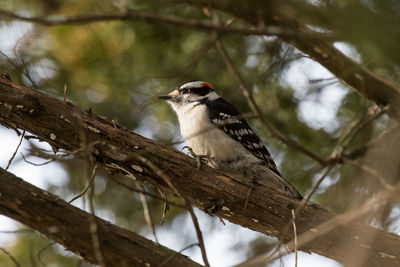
[(164, 97), (170, 96)]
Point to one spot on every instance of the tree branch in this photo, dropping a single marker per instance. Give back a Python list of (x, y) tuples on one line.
[(283, 14), (119, 150), (70, 227), (159, 19)]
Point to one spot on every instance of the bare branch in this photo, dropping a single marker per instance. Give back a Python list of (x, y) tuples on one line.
[(146, 212), (94, 232), (179, 205), (166, 20), (199, 235), (89, 185), (371, 171), (15, 152), (295, 238)]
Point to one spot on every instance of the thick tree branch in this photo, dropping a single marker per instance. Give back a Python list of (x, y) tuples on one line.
[(160, 19), (119, 150), (70, 227)]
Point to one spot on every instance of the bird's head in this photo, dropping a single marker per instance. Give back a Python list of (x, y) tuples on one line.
[(190, 93)]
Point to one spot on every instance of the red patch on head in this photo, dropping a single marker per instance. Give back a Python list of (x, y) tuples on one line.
[(206, 84)]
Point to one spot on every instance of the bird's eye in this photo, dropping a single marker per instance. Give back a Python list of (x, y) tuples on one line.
[(184, 90)]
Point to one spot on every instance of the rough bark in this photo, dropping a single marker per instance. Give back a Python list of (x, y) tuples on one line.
[(70, 227), (287, 15), (63, 125)]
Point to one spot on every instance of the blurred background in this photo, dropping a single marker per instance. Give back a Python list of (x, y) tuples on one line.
[(118, 67)]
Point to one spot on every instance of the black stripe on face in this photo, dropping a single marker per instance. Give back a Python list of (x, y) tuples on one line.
[(201, 91)]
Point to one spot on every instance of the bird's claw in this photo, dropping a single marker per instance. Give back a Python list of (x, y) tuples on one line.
[(200, 159)]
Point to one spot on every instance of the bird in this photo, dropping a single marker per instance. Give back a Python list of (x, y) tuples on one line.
[(213, 128)]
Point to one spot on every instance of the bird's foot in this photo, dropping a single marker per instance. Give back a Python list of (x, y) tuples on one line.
[(200, 159), (211, 206)]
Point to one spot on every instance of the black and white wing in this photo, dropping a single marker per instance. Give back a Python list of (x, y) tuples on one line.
[(225, 116)]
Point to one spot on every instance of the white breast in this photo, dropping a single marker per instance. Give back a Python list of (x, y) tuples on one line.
[(204, 138)]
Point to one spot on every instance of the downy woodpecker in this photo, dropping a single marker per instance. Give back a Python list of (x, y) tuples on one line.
[(212, 127)]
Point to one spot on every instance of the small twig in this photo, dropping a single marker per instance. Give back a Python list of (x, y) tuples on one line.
[(93, 225), (349, 134), (58, 156), (159, 173), (146, 212), (371, 171), (305, 200), (176, 204), (247, 199), (15, 152), (65, 94), (10, 256), (199, 234), (295, 238), (315, 187), (165, 206), (85, 189), (308, 172), (37, 164), (344, 137), (362, 125), (361, 150)]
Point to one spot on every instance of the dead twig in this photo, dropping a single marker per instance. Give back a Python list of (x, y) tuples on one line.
[(295, 238), (93, 225), (65, 94), (361, 150), (85, 189), (130, 188), (371, 171), (15, 152), (199, 234), (38, 164), (146, 212)]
